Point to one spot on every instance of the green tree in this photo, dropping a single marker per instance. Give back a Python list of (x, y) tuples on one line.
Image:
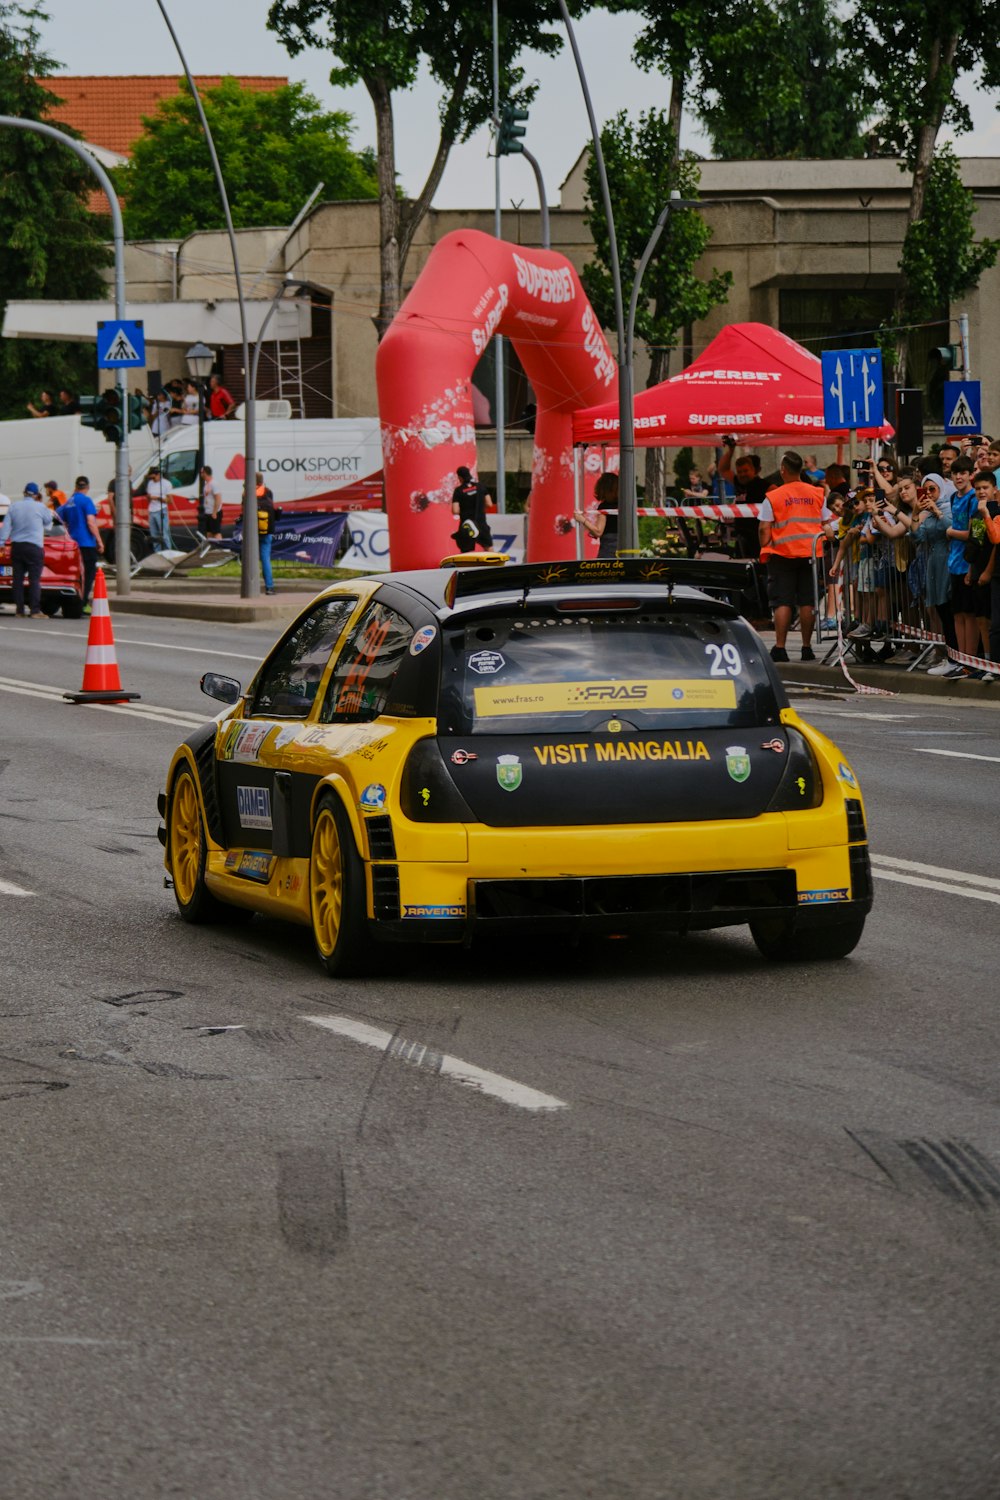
[(779, 83), (274, 147), (941, 258), (643, 168), (382, 45), (50, 246), (767, 78)]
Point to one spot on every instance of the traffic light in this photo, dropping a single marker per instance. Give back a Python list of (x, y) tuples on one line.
[(88, 410), (136, 411), (510, 131), (947, 355), (108, 416)]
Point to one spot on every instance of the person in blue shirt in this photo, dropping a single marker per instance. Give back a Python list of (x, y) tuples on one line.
[(964, 597), (79, 516), (24, 526)]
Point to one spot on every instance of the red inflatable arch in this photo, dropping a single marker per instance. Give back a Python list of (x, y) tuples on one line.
[(472, 287)]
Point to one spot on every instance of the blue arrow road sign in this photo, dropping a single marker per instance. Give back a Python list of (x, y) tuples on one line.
[(120, 344), (963, 407), (852, 388)]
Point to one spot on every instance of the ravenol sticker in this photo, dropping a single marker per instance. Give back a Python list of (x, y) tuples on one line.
[(486, 662), (254, 806), (433, 911), (373, 797), (422, 639), (574, 697), (846, 774), (509, 772), (814, 898), (737, 762), (256, 864)]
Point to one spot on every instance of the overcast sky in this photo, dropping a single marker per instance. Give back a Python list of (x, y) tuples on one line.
[(231, 36)]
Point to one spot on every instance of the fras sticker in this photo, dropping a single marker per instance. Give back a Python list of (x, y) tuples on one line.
[(422, 639), (373, 797), (486, 662)]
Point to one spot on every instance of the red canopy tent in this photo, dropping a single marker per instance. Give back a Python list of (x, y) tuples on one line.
[(751, 380)]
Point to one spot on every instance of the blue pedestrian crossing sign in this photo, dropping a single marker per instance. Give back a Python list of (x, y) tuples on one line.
[(963, 407), (120, 344), (852, 388)]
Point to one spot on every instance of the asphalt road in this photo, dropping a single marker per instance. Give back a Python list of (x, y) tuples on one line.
[(748, 1251)]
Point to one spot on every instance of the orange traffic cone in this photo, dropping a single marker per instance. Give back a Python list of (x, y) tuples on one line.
[(101, 682)]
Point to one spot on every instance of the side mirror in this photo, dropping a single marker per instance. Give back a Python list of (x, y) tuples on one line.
[(225, 689)]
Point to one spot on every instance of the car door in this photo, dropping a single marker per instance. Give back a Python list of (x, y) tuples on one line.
[(251, 749)]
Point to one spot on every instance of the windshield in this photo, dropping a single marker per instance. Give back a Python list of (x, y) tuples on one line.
[(651, 671)]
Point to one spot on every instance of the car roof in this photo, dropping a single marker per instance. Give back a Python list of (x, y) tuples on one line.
[(448, 591)]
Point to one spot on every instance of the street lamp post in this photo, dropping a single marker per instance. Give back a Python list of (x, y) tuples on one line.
[(123, 488), (200, 359)]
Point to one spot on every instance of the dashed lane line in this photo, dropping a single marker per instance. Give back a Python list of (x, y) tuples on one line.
[(454, 1068), (956, 754)]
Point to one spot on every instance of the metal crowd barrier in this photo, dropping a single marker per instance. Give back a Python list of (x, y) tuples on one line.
[(876, 609)]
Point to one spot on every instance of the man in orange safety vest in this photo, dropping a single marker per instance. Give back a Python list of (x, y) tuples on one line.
[(791, 521)]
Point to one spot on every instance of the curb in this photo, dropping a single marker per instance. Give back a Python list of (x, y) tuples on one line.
[(232, 611), (893, 679)]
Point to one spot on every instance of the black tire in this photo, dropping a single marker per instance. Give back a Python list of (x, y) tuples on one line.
[(337, 894), (72, 608), (51, 607), (779, 941), (140, 545), (188, 849)]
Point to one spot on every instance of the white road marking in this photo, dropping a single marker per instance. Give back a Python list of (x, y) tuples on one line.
[(959, 876), (77, 635), (938, 885), (177, 716), (807, 710), (461, 1072), (957, 754), (7, 888), (935, 878)]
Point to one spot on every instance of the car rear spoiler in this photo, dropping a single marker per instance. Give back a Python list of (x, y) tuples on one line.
[(730, 575)]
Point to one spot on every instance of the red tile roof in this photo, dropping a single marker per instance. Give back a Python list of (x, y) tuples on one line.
[(108, 111)]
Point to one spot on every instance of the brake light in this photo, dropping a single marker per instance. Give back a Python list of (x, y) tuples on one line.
[(592, 606)]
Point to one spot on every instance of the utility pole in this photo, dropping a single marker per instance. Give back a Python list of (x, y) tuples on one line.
[(123, 488)]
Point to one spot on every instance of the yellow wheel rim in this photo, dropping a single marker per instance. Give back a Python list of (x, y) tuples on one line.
[(326, 882), (185, 839)]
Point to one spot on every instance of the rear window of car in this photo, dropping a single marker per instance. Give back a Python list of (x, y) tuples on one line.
[(654, 671)]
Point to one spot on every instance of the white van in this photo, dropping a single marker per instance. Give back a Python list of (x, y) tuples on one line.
[(309, 464), (41, 448)]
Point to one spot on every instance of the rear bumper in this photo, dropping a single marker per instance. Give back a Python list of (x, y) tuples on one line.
[(673, 904)]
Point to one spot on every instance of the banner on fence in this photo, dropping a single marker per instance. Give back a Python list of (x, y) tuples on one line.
[(369, 540), (302, 536)]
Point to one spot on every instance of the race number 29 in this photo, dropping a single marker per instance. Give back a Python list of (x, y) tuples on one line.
[(726, 661)]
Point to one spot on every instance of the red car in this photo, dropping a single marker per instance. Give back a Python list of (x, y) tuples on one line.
[(62, 575)]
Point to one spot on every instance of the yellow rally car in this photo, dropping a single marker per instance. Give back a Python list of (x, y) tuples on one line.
[(596, 747)]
